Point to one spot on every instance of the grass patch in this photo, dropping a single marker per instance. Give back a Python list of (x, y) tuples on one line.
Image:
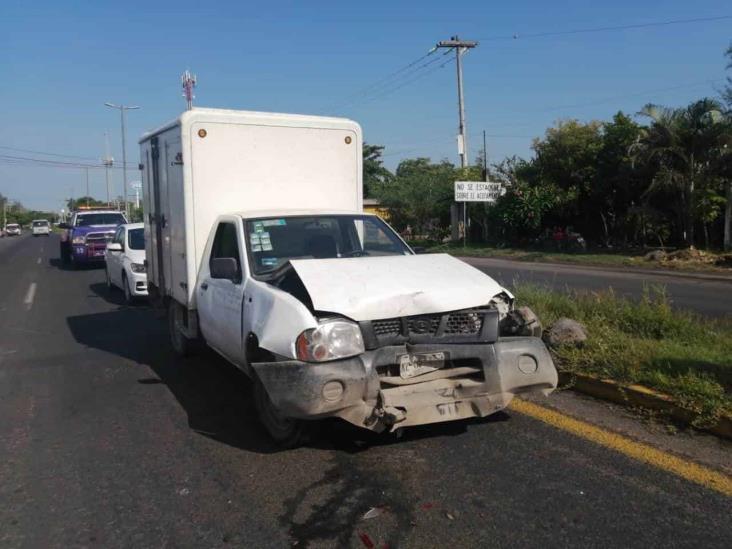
[(617, 259), (678, 353)]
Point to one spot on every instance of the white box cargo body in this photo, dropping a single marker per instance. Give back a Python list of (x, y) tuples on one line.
[(210, 161)]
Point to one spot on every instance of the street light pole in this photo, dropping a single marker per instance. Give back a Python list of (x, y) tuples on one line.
[(122, 109)]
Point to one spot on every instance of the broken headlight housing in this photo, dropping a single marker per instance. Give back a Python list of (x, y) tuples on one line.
[(331, 340)]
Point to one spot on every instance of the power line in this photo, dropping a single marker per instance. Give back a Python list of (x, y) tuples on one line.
[(384, 88), (406, 83), (389, 76), (544, 34), (41, 162), (47, 153)]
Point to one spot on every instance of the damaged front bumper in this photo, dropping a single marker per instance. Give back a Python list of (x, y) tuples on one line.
[(367, 390)]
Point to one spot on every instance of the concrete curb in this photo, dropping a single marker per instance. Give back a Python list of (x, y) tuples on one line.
[(637, 395), (600, 268)]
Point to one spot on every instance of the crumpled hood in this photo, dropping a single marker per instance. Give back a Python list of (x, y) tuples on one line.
[(370, 288)]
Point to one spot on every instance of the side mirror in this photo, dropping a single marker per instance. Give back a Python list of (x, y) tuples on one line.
[(114, 247), (64, 226), (419, 249), (226, 268)]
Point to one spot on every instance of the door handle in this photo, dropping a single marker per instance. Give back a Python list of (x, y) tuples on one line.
[(204, 286)]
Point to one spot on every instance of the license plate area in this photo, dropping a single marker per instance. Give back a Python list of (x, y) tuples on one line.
[(417, 364)]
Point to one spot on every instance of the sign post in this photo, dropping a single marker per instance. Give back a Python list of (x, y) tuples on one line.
[(476, 191)]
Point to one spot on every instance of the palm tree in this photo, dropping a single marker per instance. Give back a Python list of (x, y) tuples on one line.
[(682, 143)]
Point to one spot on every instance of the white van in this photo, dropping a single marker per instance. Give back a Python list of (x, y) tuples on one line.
[(40, 227)]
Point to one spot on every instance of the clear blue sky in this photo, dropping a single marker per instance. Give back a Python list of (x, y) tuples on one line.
[(60, 61)]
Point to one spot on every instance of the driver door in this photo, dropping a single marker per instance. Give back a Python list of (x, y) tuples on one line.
[(220, 301)]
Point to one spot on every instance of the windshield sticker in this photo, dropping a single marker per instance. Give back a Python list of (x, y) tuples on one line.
[(266, 246), (254, 238), (269, 261), (256, 247), (274, 222), (258, 227)]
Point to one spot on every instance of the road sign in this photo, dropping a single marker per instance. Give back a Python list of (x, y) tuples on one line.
[(477, 191)]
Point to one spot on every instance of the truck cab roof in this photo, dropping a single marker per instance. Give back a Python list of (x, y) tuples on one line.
[(288, 212)]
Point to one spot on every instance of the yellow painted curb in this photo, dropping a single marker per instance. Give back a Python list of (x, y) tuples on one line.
[(638, 395), (688, 470)]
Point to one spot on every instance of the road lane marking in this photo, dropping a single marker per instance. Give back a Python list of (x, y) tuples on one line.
[(30, 295), (699, 474), (39, 261)]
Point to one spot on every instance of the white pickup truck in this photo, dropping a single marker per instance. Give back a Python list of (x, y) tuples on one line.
[(257, 244)]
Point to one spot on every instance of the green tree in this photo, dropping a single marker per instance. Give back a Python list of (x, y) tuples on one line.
[(420, 196), (682, 145), (727, 157), (375, 175), (566, 159)]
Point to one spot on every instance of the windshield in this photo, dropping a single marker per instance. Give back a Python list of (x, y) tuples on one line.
[(40, 223), (87, 220), (136, 239), (13, 225), (272, 242)]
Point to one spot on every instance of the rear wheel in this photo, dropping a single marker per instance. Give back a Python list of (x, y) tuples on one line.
[(182, 345), (286, 432)]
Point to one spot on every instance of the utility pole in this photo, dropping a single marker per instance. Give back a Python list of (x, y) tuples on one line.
[(188, 81), (87, 186), (460, 47), (485, 159), (122, 110), (108, 162)]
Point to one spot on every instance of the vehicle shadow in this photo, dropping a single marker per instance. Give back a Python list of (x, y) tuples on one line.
[(215, 395), (115, 296), (56, 262)]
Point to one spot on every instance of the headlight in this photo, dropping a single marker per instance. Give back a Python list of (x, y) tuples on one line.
[(329, 341), (79, 240), (137, 267)]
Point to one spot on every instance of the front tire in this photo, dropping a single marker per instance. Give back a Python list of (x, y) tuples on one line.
[(110, 286), (286, 432), (65, 255), (129, 298)]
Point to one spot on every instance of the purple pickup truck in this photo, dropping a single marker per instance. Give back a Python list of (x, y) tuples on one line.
[(85, 238)]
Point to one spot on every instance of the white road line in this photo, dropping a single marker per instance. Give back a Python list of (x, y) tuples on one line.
[(29, 295), (39, 261)]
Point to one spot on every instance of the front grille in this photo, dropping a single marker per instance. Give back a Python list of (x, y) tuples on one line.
[(421, 325), (465, 326), (387, 327), (464, 322), (99, 238)]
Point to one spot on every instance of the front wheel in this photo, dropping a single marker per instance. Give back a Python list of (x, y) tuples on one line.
[(286, 432), (182, 345), (129, 298), (65, 254)]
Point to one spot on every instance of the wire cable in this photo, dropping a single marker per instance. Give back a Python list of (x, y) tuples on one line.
[(517, 36)]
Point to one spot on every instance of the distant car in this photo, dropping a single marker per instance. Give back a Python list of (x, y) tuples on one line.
[(125, 261), (40, 227), (12, 229)]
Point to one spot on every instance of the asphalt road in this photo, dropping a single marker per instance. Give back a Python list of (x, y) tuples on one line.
[(107, 440), (704, 296)]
